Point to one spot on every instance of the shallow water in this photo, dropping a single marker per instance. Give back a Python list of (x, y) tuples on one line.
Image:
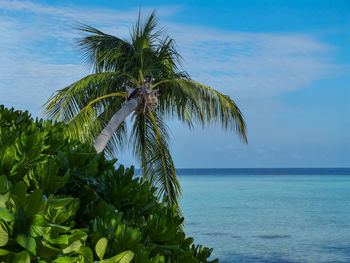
[(269, 218)]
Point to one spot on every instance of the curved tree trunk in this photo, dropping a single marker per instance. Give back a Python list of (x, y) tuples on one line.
[(113, 124)]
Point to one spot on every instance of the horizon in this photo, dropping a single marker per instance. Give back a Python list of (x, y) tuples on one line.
[(330, 171), (271, 168)]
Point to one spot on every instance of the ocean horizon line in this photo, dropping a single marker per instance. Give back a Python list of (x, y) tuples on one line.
[(184, 168), (261, 171)]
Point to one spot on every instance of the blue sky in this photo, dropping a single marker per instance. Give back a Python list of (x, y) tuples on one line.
[(286, 64)]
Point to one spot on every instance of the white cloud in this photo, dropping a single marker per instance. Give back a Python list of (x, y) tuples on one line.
[(254, 64), (102, 15), (37, 57), (27, 85)]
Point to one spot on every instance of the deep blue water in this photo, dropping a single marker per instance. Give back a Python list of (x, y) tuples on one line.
[(269, 215)]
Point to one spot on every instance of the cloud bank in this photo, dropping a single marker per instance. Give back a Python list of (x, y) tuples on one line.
[(37, 54)]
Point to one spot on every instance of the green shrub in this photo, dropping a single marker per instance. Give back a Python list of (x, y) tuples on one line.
[(62, 202)]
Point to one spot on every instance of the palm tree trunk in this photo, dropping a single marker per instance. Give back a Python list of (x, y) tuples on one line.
[(113, 124)]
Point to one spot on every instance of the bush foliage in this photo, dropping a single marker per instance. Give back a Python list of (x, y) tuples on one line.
[(61, 202)]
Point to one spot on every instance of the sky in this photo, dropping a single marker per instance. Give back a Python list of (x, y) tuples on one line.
[(285, 63)]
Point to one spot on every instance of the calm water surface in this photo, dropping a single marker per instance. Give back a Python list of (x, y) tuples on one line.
[(276, 217)]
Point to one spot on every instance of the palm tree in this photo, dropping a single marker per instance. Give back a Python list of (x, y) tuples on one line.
[(140, 75)]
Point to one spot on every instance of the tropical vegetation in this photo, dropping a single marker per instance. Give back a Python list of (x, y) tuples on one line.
[(140, 75), (62, 202)]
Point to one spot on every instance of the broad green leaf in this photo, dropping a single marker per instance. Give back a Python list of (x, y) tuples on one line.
[(63, 214), (66, 260), (75, 246), (124, 257), (22, 257), (4, 252), (77, 235), (6, 215), (44, 250), (4, 198), (101, 246), (35, 203), (60, 202), (61, 240), (48, 173), (39, 226), (4, 184), (4, 236), (161, 259), (39, 220), (7, 160), (86, 252), (22, 220), (60, 227), (19, 193), (27, 242)]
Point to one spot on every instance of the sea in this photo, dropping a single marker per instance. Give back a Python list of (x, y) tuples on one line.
[(269, 215)]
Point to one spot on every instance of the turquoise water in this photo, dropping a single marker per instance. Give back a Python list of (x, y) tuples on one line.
[(269, 218)]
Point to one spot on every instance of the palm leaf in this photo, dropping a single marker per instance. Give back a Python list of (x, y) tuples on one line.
[(67, 102), (104, 52), (191, 102), (150, 141), (162, 162)]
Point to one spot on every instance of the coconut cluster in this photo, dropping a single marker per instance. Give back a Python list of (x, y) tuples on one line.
[(146, 97)]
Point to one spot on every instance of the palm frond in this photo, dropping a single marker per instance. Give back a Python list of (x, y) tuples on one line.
[(67, 102), (88, 107), (87, 124), (191, 101), (105, 52), (150, 141), (163, 164), (144, 34), (218, 108)]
